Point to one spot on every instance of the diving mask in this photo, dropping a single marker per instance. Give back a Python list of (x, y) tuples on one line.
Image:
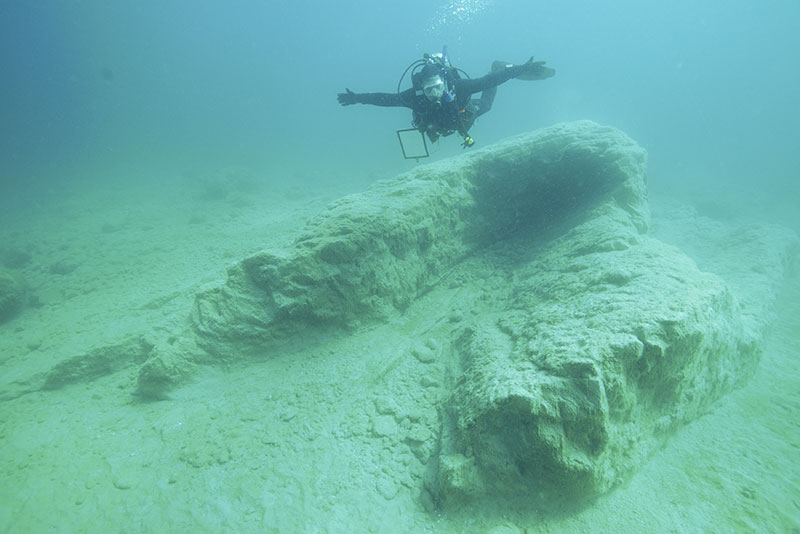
[(433, 88)]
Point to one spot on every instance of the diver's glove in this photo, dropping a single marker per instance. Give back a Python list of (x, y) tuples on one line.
[(347, 99), (534, 70)]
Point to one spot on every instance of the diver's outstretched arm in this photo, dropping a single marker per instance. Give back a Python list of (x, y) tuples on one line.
[(376, 99)]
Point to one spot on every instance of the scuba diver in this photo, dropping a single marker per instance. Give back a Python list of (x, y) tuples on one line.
[(441, 95)]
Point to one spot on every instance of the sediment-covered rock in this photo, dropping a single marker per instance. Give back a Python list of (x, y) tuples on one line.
[(373, 253), (98, 362), (598, 341), (602, 347)]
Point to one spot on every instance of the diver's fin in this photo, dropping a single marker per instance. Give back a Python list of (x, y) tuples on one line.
[(537, 70)]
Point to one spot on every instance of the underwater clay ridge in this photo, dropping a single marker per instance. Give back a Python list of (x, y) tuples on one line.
[(603, 342), (608, 341), (373, 253), (600, 341)]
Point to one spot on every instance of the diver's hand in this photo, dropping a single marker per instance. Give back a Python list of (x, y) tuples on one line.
[(535, 70), (347, 99)]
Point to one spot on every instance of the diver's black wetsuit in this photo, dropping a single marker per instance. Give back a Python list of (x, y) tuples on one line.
[(444, 118)]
